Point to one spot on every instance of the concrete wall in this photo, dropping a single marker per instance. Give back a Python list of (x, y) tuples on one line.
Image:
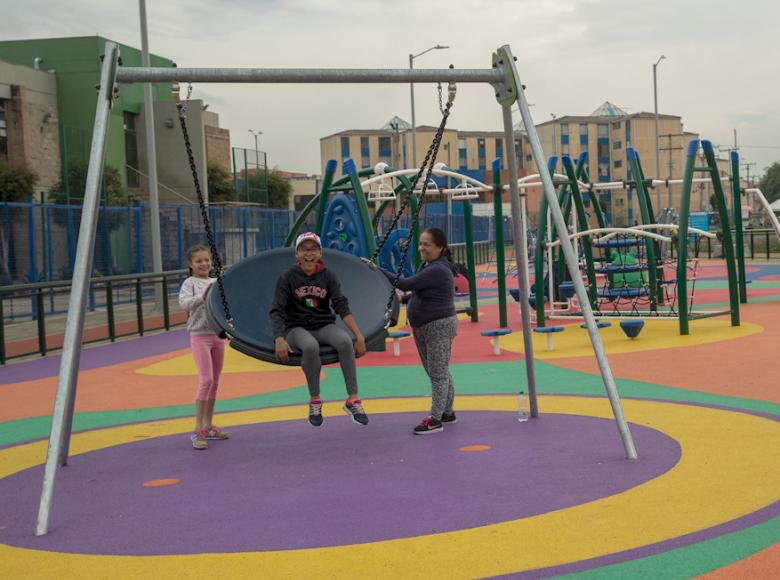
[(218, 147), (32, 121), (173, 167)]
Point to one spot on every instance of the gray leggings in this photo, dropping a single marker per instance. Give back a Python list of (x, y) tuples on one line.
[(309, 341), (434, 343)]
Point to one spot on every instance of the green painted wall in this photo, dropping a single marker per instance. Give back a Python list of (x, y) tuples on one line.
[(77, 65)]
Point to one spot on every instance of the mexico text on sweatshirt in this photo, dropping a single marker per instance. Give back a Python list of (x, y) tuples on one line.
[(305, 301), (433, 292), (191, 300)]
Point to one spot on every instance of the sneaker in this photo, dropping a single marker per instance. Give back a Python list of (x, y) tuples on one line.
[(449, 417), (215, 433), (429, 425), (355, 410), (199, 440), (315, 412)]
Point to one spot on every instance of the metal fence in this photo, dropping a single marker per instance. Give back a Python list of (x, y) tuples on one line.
[(38, 241)]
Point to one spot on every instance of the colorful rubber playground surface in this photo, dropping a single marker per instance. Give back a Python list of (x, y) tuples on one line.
[(487, 497)]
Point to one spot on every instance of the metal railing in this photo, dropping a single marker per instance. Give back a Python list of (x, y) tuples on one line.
[(134, 286)]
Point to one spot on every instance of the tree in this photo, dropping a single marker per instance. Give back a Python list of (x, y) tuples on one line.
[(16, 183), (279, 189), (770, 183), (72, 191), (220, 184), (277, 186)]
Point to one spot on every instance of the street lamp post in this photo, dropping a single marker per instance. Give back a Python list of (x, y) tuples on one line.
[(554, 147), (411, 91), (257, 161), (657, 142)]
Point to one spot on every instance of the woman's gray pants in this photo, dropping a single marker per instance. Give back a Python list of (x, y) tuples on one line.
[(434, 343)]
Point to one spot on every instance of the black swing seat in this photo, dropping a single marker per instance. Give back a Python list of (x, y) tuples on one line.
[(250, 286)]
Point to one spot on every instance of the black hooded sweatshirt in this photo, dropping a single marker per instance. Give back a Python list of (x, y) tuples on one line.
[(306, 301)]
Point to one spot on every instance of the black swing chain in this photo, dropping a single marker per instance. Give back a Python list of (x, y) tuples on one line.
[(182, 107), (427, 168)]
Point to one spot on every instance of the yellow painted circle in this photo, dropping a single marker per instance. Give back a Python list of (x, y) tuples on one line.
[(725, 453), (656, 334)]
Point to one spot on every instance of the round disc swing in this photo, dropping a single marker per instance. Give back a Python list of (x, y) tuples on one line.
[(251, 285)]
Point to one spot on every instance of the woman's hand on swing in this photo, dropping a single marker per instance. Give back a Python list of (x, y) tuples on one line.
[(360, 346), (368, 263), (282, 349)]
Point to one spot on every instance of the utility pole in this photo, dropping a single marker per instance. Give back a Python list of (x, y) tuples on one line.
[(669, 148), (657, 142), (151, 161), (748, 185), (554, 147)]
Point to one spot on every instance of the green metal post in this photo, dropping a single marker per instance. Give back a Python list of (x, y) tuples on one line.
[(541, 233), (728, 244), (110, 312), (470, 262), (582, 175), (41, 322), (166, 309), (645, 210), (360, 197), (498, 220), (582, 219), (327, 179), (682, 238), (139, 307), (313, 203), (736, 193), (2, 332)]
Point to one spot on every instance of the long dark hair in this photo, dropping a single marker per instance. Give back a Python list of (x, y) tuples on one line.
[(439, 239), (191, 252)]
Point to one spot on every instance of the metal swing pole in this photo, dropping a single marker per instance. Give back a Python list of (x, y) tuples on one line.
[(513, 88), (62, 417)]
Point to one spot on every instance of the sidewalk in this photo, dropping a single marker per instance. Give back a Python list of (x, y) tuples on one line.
[(21, 338)]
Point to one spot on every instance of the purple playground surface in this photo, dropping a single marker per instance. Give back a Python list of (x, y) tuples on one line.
[(287, 485)]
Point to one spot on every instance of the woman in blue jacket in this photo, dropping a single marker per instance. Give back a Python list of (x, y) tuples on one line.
[(431, 314)]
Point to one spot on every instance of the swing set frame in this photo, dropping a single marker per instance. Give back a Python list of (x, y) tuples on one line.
[(508, 89)]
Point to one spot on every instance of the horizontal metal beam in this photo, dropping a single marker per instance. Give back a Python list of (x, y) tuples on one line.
[(306, 75)]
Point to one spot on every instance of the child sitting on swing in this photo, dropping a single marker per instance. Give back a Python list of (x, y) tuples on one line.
[(303, 318)]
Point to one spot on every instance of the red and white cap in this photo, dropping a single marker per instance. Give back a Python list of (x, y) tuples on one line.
[(307, 236)]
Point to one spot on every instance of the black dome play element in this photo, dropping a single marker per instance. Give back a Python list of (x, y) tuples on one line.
[(250, 286)]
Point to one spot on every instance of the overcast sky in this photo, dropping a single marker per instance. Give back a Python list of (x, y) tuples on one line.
[(720, 72)]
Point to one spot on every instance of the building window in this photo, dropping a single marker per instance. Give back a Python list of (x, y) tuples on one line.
[(481, 157), (385, 150), (616, 125), (344, 147), (617, 145), (499, 148), (603, 130), (131, 149), (564, 149), (3, 133), (618, 164), (365, 156), (564, 128)]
